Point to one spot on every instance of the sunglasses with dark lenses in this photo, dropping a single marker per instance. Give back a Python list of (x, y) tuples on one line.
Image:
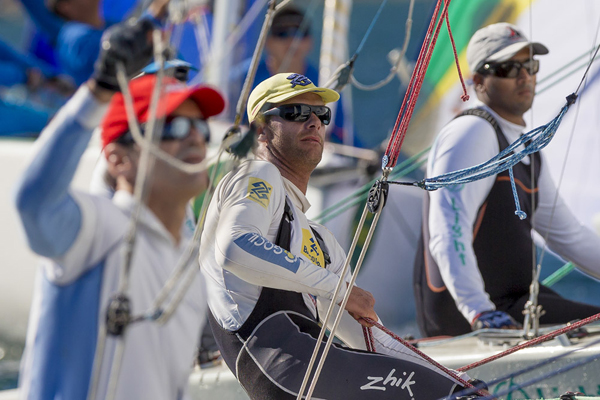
[(510, 69), (176, 128), (300, 112), (290, 32)]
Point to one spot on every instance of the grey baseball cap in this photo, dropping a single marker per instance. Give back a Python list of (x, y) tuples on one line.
[(498, 42)]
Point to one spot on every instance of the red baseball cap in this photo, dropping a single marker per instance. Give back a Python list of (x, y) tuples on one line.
[(174, 92)]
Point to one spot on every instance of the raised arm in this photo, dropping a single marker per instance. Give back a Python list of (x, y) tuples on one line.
[(50, 215)]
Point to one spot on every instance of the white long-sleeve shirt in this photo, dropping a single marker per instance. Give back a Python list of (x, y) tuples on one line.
[(238, 257), (468, 141)]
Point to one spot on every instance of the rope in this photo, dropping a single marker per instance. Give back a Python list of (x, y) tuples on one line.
[(559, 274), (241, 105), (532, 310), (532, 342), (424, 356), (369, 29), (550, 374), (369, 340), (362, 193), (534, 367), (408, 104), (330, 310), (396, 66), (465, 96), (538, 138)]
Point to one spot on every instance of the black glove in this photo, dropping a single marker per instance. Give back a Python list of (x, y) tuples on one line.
[(129, 43)]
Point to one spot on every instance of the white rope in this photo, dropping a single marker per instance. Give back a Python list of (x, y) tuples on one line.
[(342, 308)]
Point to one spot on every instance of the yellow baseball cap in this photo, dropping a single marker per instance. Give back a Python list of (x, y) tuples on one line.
[(282, 87)]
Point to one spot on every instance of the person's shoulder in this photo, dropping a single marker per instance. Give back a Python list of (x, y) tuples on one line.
[(262, 169), (469, 127), (255, 174)]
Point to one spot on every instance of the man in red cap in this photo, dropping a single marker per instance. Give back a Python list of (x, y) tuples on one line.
[(69, 354)]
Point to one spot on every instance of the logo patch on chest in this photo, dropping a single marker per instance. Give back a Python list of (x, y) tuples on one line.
[(259, 191), (311, 249)]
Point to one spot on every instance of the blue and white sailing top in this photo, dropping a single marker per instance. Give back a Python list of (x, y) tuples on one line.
[(471, 140), (81, 237), (238, 255)]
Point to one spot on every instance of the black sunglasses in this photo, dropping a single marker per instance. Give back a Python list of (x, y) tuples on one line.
[(510, 69), (300, 112), (176, 128), (290, 32)]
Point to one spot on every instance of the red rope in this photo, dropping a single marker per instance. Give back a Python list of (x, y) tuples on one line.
[(416, 82), (447, 371), (369, 341), (532, 342), (464, 96)]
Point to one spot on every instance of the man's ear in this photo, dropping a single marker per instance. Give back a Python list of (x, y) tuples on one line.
[(261, 130), (478, 82), (119, 161)]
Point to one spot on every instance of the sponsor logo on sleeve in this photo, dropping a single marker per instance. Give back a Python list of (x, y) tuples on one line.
[(260, 247), (311, 249), (259, 191)]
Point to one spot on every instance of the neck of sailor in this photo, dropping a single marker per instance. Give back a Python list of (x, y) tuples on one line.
[(165, 205)]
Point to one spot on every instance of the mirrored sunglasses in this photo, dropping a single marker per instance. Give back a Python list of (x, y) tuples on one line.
[(176, 128), (300, 112), (510, 69)]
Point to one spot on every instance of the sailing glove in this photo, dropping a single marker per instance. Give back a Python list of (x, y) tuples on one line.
[(129, 43), (493, 320)]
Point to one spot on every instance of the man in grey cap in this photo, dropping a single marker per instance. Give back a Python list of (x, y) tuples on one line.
[(474, 269)]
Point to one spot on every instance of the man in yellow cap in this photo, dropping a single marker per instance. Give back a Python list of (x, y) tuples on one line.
[(271, 272)]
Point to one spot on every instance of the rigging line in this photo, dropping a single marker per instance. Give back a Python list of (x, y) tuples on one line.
[(538, 138), (424, 356), (331, 306), (567, 65), (341, 78), (157, 311), (531, 309), (533, 367), (532, 342), (396, 66), (345, 299), (464, 96), (241, 105), (570, 141), (398, 133), (200, 28), (557, 275), (145, 167), (284, 66), (562, 78), (411, 164), (369, 29), (550, 374), (364, 196), (233, 38)]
